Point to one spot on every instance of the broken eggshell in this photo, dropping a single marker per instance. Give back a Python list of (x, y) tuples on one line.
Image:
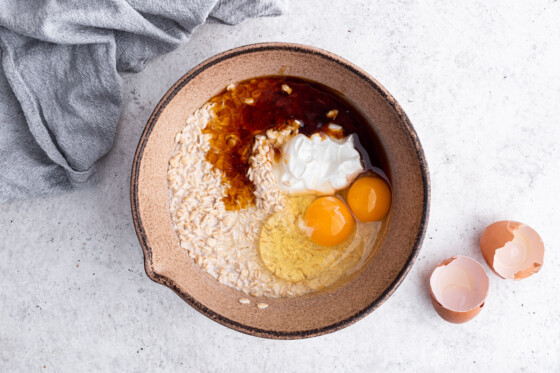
[(458, 289), (513, 250)]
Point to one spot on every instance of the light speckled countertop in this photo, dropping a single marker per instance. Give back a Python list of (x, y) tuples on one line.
[(480, 82)]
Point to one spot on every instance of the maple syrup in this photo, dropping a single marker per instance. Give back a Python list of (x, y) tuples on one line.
[(253, 106)]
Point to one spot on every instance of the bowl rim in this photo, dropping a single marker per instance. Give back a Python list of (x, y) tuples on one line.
[(301, 48)]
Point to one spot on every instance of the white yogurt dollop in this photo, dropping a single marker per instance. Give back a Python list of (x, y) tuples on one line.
[(317, 164)]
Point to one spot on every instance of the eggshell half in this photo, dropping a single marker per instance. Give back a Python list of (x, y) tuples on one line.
[(458, 289), (513, 250)]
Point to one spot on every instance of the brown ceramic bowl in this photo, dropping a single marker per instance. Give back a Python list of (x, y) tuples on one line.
[(285, 318)]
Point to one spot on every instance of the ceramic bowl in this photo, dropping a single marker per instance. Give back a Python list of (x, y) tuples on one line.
[(285, 318)]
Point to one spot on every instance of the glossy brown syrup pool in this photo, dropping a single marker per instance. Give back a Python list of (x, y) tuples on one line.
[(253, 106)]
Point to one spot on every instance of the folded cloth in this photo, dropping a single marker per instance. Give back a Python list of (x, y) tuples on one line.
[(60, 91)]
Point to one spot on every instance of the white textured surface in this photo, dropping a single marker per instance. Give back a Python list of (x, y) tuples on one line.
[(480, 81)]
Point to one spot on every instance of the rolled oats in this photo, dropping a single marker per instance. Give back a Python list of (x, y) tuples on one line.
[(224, 242)]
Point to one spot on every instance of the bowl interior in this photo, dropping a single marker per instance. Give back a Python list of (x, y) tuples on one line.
[(310, 315)]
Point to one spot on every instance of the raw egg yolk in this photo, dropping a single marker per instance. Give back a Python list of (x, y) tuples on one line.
[(369, 198), (329, 221)]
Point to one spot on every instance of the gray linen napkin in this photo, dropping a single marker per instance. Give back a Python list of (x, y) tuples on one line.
[(60, 91)]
